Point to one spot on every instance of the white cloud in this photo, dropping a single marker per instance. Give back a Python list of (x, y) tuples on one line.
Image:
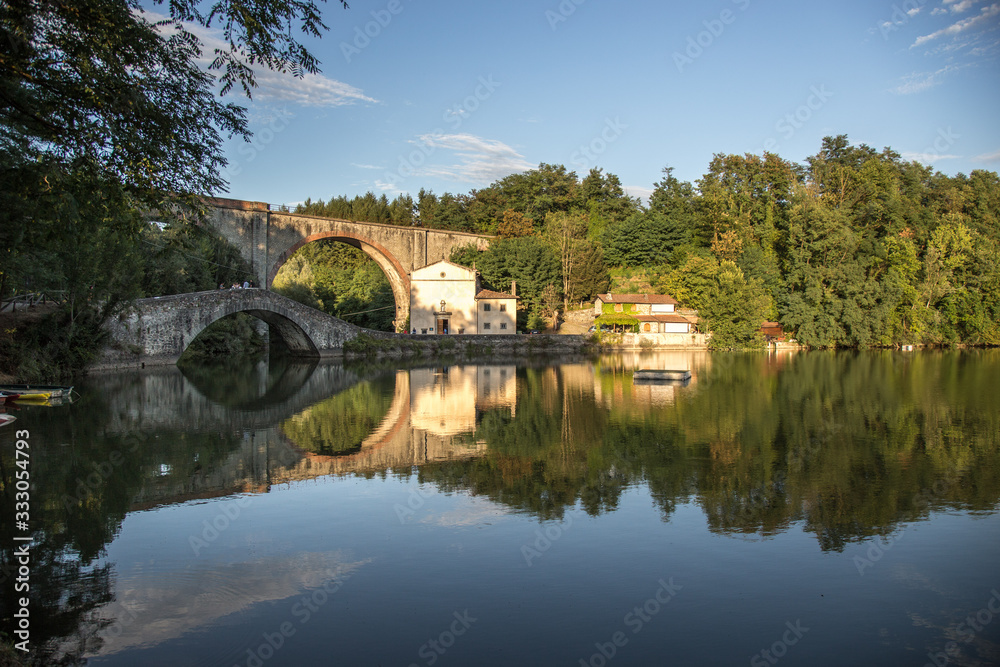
[(959, 6), (921, 81), (480, 160), (938, 10), (154, 607), (916, 10), (927, 158), (472, 512), (961, 26), (311, 90), (637, 191), (988, 157), (385, 186), (365, 166)]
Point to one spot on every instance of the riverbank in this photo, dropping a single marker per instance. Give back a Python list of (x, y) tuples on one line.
[(378, 345)]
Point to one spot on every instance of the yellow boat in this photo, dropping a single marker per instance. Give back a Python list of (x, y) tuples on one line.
[(30, 396), (27, 392)]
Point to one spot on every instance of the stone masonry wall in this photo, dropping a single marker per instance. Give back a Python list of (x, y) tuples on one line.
[(158, 330)]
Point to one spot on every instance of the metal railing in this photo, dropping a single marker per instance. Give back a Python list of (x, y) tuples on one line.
[(31, 299)]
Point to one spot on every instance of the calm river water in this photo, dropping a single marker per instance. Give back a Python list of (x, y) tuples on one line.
[(808, 509)]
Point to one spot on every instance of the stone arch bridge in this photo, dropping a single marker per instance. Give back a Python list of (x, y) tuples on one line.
[(267, 239), (158, 330)]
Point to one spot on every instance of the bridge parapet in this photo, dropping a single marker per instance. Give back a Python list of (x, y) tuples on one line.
[(159, 329)]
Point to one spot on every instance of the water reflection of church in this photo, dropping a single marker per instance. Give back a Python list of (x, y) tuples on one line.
[(447, 402), (433, 418)]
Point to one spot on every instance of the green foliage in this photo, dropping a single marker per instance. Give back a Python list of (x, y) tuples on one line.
[(589, 276), (53, 348), (363, 208), (645, 239), (605, 201), (514, 224), (340, 424), (228, 338), (466, 255), (535, 321), (529, 261), (735, 309), (105, 117), (612, 308), (80, 248), (584, 274), (368, 346), (340, 280), (692, 283), (617, 321), (185, 257)]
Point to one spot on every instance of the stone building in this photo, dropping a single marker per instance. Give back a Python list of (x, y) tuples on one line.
[(446, 298), (653, 313)]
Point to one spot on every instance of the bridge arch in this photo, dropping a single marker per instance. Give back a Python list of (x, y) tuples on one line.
[(159, 329), (266, 239), (290, 331), (399, 278)]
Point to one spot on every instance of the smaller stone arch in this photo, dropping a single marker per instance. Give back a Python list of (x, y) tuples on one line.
[(399, 278), (160, 329), (291, 332)]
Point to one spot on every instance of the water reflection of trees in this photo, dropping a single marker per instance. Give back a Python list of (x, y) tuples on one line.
[(85, 482), (847, 444), (339, 424), (850, 444)]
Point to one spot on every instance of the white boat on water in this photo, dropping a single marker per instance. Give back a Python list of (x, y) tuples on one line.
[(6, 418), (661, 375)]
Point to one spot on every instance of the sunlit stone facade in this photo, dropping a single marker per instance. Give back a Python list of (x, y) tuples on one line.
[(446, 298)]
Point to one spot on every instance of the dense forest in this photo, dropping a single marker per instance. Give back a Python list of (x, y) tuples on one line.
[(855, 248)]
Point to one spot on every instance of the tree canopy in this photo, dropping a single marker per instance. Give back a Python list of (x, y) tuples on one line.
[(856, 247), (106, 115)]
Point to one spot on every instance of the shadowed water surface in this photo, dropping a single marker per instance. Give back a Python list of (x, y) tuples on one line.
[(813, 509)]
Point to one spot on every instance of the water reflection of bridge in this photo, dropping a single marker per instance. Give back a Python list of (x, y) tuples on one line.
[(432, 417)]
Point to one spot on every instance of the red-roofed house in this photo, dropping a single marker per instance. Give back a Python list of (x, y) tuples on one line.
[(643, 304), (654, 313), (497, 311)]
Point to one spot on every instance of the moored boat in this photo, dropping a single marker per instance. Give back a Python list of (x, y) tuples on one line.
[(30, 396), (6, 418), (34, 392), (660, 375)]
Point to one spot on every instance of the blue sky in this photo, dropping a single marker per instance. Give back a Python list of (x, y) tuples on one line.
[(451, 96)]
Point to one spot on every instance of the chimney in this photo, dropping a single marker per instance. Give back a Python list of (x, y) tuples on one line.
[(513, 287)]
